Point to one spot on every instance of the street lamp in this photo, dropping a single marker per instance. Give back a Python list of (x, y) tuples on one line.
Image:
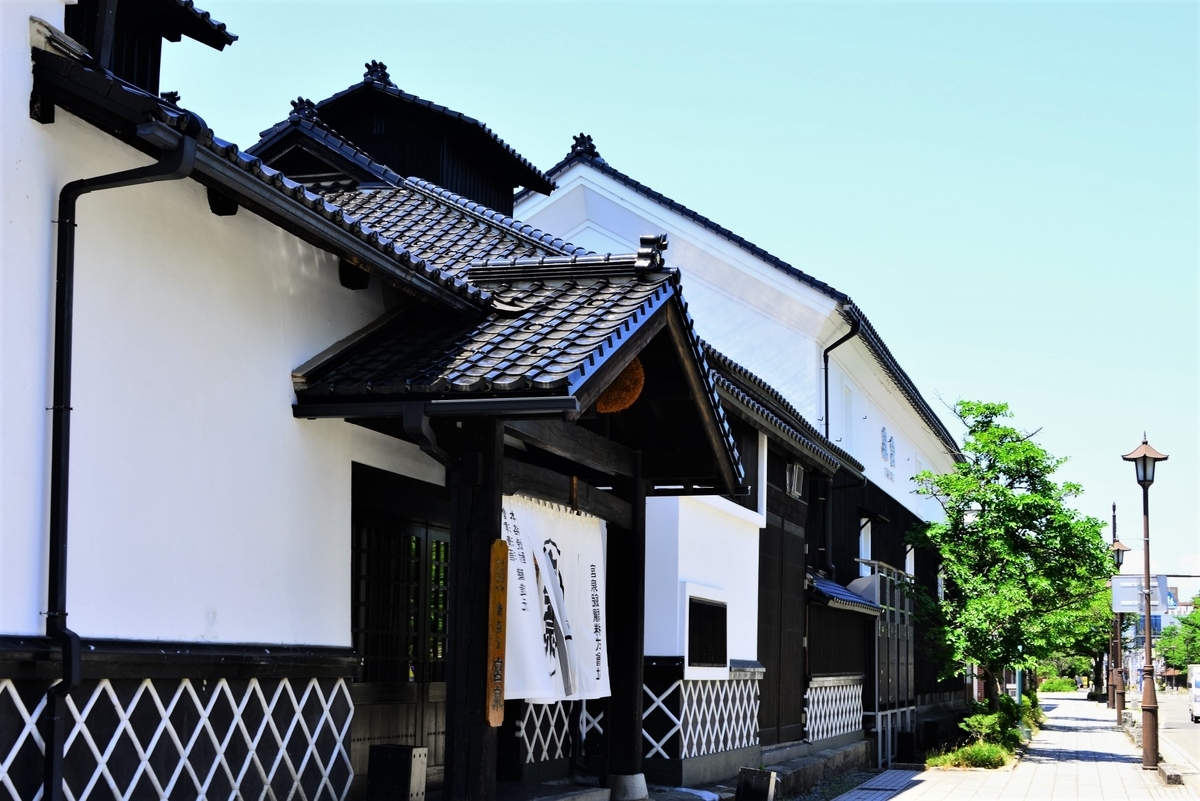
[(1144, 459), (1116, 677)]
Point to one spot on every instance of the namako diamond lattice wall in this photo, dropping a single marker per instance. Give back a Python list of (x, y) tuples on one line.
[(691, 718), (834, 706), (185, 739)]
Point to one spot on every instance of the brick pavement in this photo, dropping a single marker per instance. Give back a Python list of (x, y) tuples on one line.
[(1078, 756)]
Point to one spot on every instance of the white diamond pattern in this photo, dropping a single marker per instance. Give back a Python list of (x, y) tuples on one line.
[(719, 716), (28, 730), (834, 709), (657, 748), (589, 723), (545, 731), (291, 696)]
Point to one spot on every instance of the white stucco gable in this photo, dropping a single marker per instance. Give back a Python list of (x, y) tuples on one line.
[(764, 314)]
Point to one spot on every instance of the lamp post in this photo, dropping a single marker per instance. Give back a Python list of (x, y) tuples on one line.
[(1144, 459), (1116, 674)]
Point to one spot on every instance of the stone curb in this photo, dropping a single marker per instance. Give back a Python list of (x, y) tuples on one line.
[(1169, 774)]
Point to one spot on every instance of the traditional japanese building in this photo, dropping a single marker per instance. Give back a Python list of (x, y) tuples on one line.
[(265, 438), (857, 669)]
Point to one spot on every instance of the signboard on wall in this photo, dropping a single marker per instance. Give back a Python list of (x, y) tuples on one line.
[(556, 646), (497, 600), (1128, 595)]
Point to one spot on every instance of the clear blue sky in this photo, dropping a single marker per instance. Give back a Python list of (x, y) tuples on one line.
[(1009, 190)]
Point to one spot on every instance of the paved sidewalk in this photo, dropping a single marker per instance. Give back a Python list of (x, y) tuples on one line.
[(1079, 755)]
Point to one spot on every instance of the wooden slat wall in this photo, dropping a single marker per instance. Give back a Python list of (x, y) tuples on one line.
[(836, 642), (781, 626)]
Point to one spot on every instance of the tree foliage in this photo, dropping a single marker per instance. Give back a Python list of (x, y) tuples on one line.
[(1022, 571), (1179, 644)]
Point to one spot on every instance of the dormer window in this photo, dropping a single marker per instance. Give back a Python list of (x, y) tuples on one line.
[(125, 36)]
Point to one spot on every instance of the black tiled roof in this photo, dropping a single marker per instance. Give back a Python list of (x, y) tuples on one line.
[(556, 322), (311, 126), (774, 408), (836, 595), (377, 79), (355, 224), (584, 151), (117, 102), (446, 228), (198, 24), (549, 333)]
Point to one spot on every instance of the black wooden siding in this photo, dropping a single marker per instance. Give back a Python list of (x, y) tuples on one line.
[(781, 629), (416, 143), (838, 641), (781, 610), (850, 505)]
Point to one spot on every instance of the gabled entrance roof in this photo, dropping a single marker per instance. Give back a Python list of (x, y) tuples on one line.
[(560, 332)]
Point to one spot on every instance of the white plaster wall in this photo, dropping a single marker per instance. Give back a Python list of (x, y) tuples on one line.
[(662, 626), (26, 282), (719, 548), (877, 405), (768, 322), (738, 301), (710, 543), (200, 509)]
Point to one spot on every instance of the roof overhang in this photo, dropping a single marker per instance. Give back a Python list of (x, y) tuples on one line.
[(147, 124), (531, 358)]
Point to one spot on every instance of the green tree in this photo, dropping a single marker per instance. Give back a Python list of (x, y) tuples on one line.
[(1020, 568), (1179, 644), (1089, 634)]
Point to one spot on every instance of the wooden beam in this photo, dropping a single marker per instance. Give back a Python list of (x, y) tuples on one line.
[(626, 600), (475, 486), (550, 486), (678, 466), (575, 443)]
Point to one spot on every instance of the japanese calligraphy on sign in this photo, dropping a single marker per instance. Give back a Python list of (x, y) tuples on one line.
[(497, 603), (557, 638)]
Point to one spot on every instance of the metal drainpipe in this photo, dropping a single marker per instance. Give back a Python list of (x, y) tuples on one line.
[(829, 566), (855, 325), (172, 165)]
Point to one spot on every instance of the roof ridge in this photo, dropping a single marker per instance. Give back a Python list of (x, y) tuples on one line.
[(581, 153), (524, 231), (389, 88), (202, 16), (599, 163)]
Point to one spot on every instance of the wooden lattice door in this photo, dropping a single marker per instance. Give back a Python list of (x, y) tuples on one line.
[(400, 590)]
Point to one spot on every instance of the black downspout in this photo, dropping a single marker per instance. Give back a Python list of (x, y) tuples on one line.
[(855, 325), (171, 165), (827, 481)]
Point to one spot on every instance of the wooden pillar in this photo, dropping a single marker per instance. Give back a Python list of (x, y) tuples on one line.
[(476, 482), (626, 566)]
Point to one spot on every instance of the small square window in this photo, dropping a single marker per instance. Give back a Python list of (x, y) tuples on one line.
[(706, 633)]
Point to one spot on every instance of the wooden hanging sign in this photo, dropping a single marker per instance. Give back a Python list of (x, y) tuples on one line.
[(497, 602)]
